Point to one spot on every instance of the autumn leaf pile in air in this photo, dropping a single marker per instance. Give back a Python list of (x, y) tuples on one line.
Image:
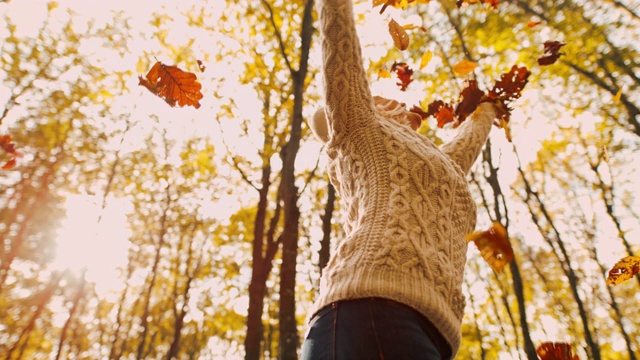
[(173, 85), (10, 149)]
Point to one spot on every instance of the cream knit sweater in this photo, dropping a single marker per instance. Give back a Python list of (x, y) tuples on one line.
[(406, 202)]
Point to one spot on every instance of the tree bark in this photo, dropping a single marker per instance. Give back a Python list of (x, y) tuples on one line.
[(325, 244)]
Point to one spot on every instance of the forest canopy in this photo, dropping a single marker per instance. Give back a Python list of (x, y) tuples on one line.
[(162, 196)]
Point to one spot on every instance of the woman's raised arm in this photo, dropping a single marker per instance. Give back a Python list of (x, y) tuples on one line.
[(349, 104)]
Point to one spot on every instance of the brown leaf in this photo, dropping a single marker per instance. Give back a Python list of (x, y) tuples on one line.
[(404, 74), (418, 110), (201, 66), (494, 246), (470, 98), (173, 85), (551, 52), (399, 35), (624, 270), (556, 351)]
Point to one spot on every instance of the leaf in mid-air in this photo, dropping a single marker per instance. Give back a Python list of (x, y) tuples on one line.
[(426, 58), (618, 95), (173, 85), (494, 246), (624, 270), (464, 67), (493, 3), (9, 147), (442, 111), (401, 4), (533, 23), (555, 351), (399, 35), (551, 52), (201, 66), (404, 74)]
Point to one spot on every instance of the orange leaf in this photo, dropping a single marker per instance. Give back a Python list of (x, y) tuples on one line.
[(444, 116), (618, 95), (426, 58), (402, 4), (9, 164), (464, 67), (399, 35), (173, 85), (494, 246), (533, 23), (623, 270), (555, 351)]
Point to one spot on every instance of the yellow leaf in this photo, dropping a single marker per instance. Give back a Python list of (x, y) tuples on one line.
[(384, 74), (464, 67), (618, 95), (494, 246), (399, 35), (623, 270), (426, 58)]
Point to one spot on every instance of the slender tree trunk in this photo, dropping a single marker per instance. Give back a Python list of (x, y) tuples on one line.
[(46, 295), (264, 250), (74, 307), (289, 192), (144, 323), (563, 258), (325, 244), (491, 176)]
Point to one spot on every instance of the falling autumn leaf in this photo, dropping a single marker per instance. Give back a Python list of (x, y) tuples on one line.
[(173, 85), (464, 67), (533, 23), (9, 148), (555, 351), (470, 98), (442, 111), (384, 74), (201, 66), (551, 52), (399, 35), (426, 58), (401, 4), (494, 246), (618, 95), (461, 3), (404, 74), (624, 270)]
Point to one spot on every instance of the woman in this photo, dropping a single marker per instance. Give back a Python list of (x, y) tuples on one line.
[(392, 289)]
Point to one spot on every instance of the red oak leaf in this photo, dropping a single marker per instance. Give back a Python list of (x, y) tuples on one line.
[(404, 74), (551, 52), (173, 85)]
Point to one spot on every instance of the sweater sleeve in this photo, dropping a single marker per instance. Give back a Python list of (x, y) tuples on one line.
[(349, 104), (465, 147)]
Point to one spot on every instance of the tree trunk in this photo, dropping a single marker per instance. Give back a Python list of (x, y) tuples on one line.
[(144, 319), (325, 245), (563, 258), (289, 192), (72, 312), (44, 300), (518, 289)]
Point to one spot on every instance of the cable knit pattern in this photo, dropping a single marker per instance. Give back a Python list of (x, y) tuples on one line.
[(406, 203)]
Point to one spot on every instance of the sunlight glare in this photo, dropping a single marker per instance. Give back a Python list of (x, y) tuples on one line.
[(101, 247)]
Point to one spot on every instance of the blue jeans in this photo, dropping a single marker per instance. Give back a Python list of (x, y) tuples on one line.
[(372, 328)]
